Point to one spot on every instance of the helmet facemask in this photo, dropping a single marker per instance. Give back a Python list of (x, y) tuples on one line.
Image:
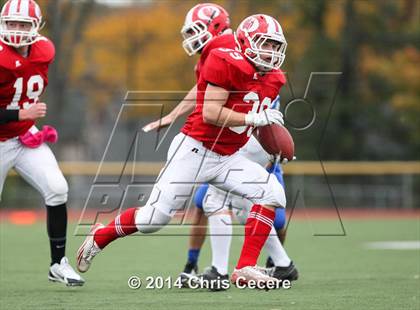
[(263, 58), (196, 36), (19, 38)]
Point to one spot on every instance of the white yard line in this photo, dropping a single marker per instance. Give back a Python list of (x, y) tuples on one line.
[(393, 245)]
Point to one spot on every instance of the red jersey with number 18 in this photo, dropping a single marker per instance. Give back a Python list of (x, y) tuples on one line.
[(249, 91), (22, 81)]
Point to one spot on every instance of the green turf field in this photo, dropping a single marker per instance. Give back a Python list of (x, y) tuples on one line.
[(336, 272)]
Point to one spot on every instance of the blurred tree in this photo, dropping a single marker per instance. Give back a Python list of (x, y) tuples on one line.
[(375, 44), (104, 51), (132, 49), (66, 21), (389, 76)]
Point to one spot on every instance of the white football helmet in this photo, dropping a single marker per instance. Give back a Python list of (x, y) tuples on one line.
[(252, 37), (23, 11), (202, 23)]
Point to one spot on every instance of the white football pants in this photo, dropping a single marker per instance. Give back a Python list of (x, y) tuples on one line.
[(37, 166), (191, 164)]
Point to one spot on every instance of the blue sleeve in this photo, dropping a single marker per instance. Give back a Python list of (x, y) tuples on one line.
[(277, 171), (280, 218), (200, 194), (276, 103)]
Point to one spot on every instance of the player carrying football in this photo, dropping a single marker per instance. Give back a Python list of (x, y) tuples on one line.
[(235, 91), (206, 27), (25, 56), (204, 21)]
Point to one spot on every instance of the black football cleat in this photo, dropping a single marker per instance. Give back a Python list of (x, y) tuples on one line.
[(285, 273), (189, 275), (269, 263), (213, 280)]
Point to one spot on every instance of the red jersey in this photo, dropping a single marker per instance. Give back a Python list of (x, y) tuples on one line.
[(225, 40), (249, 91), (22, 81)]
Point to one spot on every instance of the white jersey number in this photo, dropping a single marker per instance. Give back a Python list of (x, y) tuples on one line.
[(232, 53), (35, 87), (256, 107)]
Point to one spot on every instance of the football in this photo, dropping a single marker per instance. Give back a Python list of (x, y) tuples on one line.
[(276, 139)]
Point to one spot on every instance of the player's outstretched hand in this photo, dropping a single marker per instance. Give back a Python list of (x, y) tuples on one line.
[(264, 118), (37, 110), (156, 125)]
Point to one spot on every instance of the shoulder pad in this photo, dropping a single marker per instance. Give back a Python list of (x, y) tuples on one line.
[(6, 56), (224, 40), (278, 77), (43, 50), (235, 59)]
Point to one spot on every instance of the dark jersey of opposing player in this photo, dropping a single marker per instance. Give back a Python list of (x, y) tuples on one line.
[(249, 91), (22, 81)]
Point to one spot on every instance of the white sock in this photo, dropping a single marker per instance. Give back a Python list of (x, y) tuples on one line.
[(220, 226), (276, 251)]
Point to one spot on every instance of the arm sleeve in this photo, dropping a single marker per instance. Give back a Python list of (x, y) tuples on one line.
[(7, 116)]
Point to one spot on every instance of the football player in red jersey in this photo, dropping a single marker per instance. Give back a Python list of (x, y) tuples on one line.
[(202, 33), (235, 91), (24, 59), (204, 21), (206, 27)]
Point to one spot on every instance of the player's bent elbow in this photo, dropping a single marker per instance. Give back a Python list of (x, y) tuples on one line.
[(207, 119), (209, 115)]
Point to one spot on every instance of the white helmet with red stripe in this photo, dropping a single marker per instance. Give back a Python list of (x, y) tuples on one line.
[(203, 22), (21, 11), (261, 39)]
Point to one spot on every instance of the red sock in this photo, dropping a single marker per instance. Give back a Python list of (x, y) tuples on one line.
[(257, 228), (123, 225)]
